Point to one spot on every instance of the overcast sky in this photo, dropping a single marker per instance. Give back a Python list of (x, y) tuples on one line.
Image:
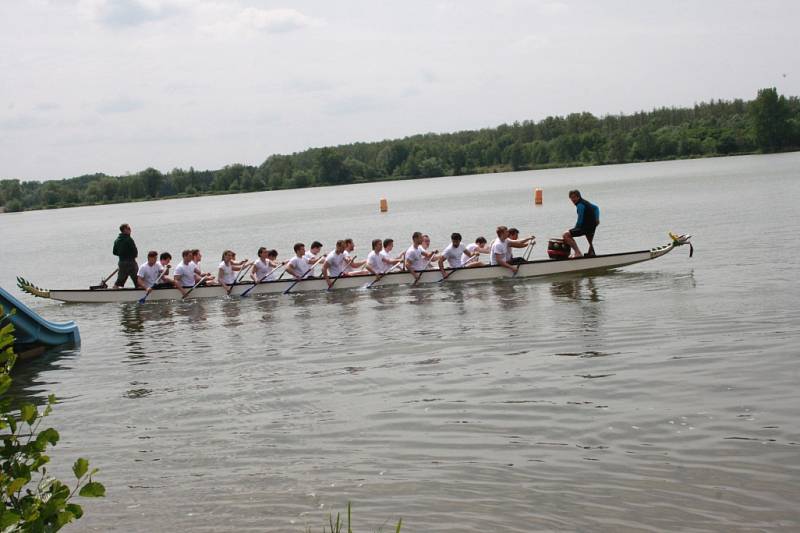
[(116, 86)]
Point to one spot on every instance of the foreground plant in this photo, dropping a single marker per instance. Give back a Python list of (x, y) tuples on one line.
[(337, 525), (33, 500)]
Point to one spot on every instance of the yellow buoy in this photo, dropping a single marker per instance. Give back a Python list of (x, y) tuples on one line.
[(538, 196), (384, 205)]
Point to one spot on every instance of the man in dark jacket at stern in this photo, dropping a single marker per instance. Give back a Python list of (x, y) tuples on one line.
[(125, 250)]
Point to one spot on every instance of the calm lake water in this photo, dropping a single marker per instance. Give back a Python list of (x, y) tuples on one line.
[(663, 396)]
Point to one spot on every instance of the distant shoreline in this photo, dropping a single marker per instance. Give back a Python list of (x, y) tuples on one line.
[(499, 169), (768, 124)]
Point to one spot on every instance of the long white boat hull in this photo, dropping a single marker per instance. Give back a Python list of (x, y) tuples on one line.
[(480, 273)]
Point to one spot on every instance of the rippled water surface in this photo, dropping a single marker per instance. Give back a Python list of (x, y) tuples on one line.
[(663, 396)]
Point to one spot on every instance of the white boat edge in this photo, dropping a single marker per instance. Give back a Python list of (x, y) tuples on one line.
[(531, 269)]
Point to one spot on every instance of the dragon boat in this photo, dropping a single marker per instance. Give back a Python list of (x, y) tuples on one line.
[(528, 269)]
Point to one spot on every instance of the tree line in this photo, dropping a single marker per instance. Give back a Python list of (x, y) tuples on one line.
[(769, 123)]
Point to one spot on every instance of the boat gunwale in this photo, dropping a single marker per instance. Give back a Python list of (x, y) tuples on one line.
[(367, 276)]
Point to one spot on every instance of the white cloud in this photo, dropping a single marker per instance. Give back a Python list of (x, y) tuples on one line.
[(128, 13), (224, 20), (276, 20)]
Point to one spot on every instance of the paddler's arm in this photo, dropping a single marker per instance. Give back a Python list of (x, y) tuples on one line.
[(441, 264), (501, 260), (221, 277), (408, 267), (177, 281), (371, 270), (325, 267)]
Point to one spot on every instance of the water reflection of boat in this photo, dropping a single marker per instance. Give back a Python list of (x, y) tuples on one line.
[(528, 269)]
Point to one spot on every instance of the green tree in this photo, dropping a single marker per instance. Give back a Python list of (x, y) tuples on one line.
[(151, 179), (617, 148), (770, 116), (33, 500), (331, 168), (516, 156), (431, 167)]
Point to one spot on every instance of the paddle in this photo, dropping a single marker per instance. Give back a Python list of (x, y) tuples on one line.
[(379, 276), (150, 289), (421, 272), (527, 253), (201, 280), (301, 277), (103, 282), (468, 261), (283, 266), (341, 273), (238, 278)]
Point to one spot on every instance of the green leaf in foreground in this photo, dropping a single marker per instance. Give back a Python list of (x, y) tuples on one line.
[(93, 489), (80, 467)]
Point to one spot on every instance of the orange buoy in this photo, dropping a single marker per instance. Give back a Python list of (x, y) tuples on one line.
[(384, 205), (538, 196)]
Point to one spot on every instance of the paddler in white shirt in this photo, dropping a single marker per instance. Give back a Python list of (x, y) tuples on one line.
[(477, 247), (264, 267), (455, 254), (375, 264), (228, 269), (334, 264), (185, 273), (298, 267), (351, 265), (386, 255), (311, 257), (426, 245), (499, 251), (415, 260), (514, 241), (166, 282), (198, 273), (149, 272)]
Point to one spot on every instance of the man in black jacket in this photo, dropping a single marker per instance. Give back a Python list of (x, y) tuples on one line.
[(125, 249)]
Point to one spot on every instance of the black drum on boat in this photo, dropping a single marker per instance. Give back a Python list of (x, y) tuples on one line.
[(557, 249)]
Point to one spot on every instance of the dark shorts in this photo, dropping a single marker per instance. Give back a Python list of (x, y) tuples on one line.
[(579, 232), (163, 285)]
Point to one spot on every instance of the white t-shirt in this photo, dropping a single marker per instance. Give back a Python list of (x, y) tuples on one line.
[(228, 277), (335, 263), (471, 248), (150, 273), (414, 255), (453, 254), (186, 273), (348, 267), (375, 261), (300, 266), (498, 248), (263, 270), (386, 259), (509, 253), (309, 257)]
